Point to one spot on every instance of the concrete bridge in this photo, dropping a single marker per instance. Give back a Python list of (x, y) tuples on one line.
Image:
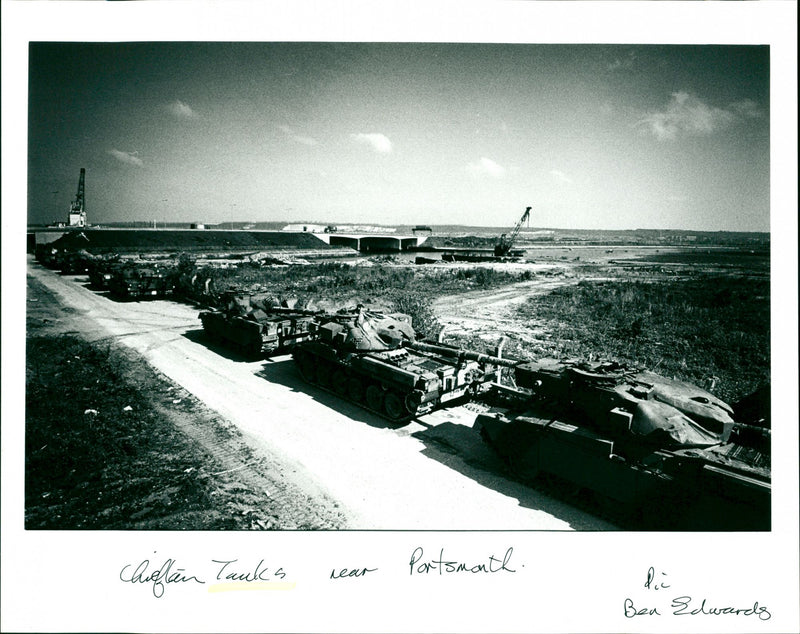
[(372, 242)]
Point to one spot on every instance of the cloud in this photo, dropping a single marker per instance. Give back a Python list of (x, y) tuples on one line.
[(299, 138), (126, 157), (378, 142), (747, 109), (486, 167), (182, 110), (686, 114), (560, 176)]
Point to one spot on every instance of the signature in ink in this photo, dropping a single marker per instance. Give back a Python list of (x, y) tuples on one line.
[(167, 573), (650, 584), (686, 605)]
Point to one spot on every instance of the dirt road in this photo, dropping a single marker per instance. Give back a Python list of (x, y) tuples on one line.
[(488, 314), (434, 473)]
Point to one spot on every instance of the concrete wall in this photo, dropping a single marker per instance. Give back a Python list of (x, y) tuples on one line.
[(343, 241), (367, 243)]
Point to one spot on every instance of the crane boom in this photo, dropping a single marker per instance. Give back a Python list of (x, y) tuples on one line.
[(514, 233), (503, 247), (77, 210), (78, 203)]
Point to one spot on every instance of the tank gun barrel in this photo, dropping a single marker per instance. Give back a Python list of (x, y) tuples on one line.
[(319, 312), (282, 310), (458, 353)]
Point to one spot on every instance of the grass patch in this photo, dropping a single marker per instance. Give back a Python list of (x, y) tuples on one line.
[(419, 308), (338, 279), (99, 455), (694, 329)]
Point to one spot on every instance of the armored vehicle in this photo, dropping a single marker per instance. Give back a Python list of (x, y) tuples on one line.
[(48, 255), (255, 324), (665, 448), (373, 360), (74, 262), (132, 281), (101, 270)]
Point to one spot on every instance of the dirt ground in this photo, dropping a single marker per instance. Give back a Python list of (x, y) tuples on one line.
[(487, 314)]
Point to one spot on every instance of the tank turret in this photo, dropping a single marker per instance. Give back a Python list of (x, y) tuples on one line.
[(619, 399), (367, 331)]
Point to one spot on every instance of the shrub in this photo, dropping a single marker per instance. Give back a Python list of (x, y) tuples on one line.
[(421, 313)]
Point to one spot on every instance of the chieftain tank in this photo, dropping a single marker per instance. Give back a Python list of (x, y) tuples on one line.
[(374, 360), (101, 270), (666, 448), (137, 281), (256, 324), (75, 262), (45, 254)]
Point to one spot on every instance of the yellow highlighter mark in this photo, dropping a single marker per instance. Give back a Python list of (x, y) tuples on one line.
[(252, 585)]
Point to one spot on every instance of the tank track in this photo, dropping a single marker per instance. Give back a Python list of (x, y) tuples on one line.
[(325, 374), (250, 352)]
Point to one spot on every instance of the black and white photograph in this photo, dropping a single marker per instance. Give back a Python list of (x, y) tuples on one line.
[(299, 227), (339, 316)]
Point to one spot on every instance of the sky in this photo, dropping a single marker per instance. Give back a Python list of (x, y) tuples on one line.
[(589, 136)]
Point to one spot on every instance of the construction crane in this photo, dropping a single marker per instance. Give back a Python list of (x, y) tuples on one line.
[(77, 210), (503, 247)]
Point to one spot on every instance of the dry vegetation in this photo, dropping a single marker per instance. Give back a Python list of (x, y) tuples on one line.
[(399, 288)]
